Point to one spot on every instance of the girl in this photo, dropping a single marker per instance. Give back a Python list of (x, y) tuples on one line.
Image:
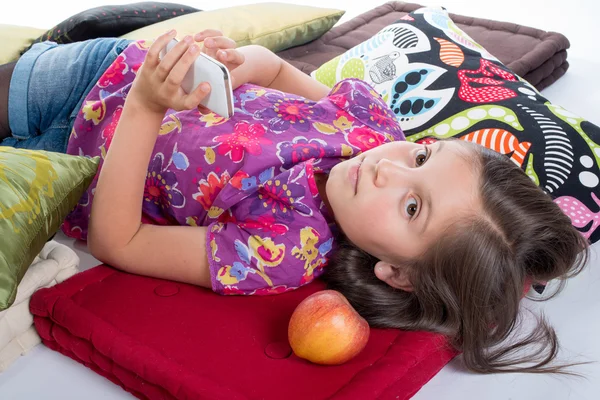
[(440, 237)]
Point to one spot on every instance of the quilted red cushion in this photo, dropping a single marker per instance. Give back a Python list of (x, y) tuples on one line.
[(163, 340)]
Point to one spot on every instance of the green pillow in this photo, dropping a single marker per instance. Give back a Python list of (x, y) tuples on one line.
[(37, 191), (276, 26)]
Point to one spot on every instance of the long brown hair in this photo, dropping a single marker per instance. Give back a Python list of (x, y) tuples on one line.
[(469, 284)]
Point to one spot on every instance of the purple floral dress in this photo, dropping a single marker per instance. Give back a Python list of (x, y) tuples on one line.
[(249, 179)]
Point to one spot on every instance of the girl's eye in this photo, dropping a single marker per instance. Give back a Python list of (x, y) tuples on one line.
[(421, 157), (412, 207)]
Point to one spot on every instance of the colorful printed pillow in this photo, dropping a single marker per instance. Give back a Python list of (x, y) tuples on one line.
[(440, 83), (37, 191), (113, 21)]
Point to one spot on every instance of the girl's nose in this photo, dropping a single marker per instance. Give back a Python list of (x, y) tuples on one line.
[(388, 172)]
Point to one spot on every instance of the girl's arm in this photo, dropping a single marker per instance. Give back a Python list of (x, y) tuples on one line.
[(264, 68), (116, 235)]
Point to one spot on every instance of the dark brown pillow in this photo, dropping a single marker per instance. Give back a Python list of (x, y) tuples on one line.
[(112, 21)]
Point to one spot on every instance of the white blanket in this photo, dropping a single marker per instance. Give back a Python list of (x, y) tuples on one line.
[(55, 263)]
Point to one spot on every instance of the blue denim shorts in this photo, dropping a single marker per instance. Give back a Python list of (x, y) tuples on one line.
[(48, 86)]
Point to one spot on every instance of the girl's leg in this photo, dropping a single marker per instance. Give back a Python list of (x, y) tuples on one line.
[(47, 87), (5, 74)]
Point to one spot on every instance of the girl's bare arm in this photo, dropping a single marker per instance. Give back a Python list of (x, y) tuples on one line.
[(116, 235), (264, 68)]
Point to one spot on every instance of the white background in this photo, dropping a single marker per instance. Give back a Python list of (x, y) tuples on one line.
[(575, 313)]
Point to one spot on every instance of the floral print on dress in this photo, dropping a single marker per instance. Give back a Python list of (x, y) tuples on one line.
[(313, 256), (249, 179), (160, 189), (266, 223), (93, 110), (109, 131), (278, 198), (209, 188), (115, 73), (377, 115), (365, 138), (246, 138), (301, 149), (287, 112)]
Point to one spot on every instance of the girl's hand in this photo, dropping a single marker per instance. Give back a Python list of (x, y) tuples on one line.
[(157, 86), (222, 49)]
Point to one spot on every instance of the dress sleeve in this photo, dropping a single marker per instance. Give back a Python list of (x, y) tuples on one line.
[(361, 101), (259, 257)]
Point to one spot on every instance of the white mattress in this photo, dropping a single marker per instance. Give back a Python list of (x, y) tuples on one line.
[(44, 374)]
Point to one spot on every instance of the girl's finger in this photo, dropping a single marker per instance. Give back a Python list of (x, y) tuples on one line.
[(153, 55), (213, 44), (220, 42), (193, 99), (203, 110), (163, 70), (200, 36), (231, 58), (178, 71)]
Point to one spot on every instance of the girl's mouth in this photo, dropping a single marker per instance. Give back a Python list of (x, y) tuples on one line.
[(354, 175)]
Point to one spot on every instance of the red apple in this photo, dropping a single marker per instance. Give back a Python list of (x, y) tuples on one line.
[(326, 329)]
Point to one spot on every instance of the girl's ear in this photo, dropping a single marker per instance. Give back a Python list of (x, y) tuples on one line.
[(394, 276)]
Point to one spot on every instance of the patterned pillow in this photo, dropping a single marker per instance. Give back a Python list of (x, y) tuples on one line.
[(440, 83), (37, 191)]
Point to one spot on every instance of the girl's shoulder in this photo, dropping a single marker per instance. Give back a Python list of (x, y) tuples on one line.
[(276, 239), (366, 105)]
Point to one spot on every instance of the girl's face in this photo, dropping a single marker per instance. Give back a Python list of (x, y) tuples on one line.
[(393, 201)]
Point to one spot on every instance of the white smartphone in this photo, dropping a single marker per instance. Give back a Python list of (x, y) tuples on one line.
[(207, 69)]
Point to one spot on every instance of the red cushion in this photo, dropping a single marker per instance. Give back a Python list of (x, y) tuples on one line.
[(162, 340)]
